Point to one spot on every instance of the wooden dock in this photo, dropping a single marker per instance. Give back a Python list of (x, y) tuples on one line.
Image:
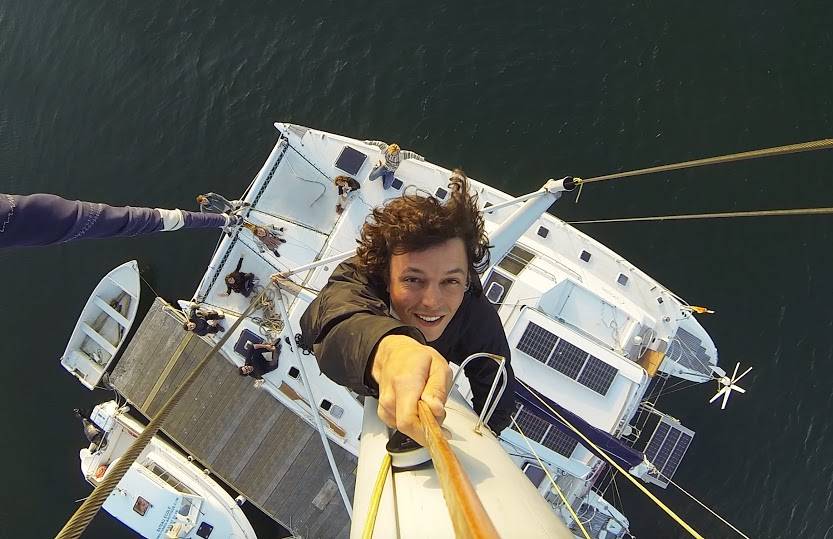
[(242, 434)]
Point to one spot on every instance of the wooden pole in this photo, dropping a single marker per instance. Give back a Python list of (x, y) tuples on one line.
[(468, 516)]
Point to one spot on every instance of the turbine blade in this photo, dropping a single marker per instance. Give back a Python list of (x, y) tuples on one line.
[(725, 399), (736, 370), (738, 389), (717, 395), (742, 375)]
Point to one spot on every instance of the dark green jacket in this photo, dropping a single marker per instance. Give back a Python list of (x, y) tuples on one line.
[(351, 315)]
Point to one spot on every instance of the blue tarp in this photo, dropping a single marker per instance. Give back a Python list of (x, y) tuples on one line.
[(624, 455), (44, 219)]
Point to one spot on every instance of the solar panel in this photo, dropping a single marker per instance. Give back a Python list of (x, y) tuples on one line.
[(533, 426), (539, 430), (537, 342), (666, 449), (567, 359), (597, 375), (560, 442)]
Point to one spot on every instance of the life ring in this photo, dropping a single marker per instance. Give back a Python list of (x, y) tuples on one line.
[(99, 472)]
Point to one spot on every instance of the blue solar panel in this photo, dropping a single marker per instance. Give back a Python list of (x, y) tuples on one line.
[(537, 342), (597, 375), (567, 358), (666, 449)]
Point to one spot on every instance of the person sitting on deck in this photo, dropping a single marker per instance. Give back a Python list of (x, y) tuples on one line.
[(214, 203), (239, 281), (346, 186), (256, 364), (268, 238), (393, 157), (202, 322), (390, 319)]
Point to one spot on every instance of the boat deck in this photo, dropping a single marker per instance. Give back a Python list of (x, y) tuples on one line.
[(242, 434)]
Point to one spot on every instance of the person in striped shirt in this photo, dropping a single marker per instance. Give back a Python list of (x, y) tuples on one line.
[(393, 157)]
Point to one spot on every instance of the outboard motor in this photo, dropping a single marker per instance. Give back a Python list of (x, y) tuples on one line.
[(93, 433)]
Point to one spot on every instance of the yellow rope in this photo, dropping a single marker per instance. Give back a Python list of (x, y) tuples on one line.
[(552, 481), (613, 463), (376, 498), (759, 213), (766, 152)]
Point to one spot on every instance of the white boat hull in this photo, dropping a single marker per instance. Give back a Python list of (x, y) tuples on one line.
[(165, 481), (103, 325)]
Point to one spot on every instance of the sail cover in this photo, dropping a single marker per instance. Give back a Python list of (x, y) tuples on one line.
[(625, 456), (44, 219)]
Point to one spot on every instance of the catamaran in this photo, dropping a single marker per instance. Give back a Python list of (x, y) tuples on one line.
[(594, 339)]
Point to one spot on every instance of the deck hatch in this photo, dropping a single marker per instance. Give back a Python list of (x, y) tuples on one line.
[(516, 260), (567, 358), (666, 449), (350, 160)]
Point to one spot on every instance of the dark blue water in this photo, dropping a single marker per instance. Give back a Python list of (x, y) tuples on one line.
[(151, 103)]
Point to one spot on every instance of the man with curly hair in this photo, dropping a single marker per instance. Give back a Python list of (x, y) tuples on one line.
[(390, 318)]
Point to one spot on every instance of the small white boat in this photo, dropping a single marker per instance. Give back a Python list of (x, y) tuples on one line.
[(162, 495), (103, 325)]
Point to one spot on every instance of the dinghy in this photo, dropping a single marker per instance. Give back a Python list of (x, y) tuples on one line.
[(103, 325)]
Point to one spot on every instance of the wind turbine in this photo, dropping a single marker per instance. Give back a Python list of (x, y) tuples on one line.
[(728, 385)]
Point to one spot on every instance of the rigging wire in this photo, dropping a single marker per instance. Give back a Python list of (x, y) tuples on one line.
[(552, 481), (703, 505), (754, 154), (725, 215)]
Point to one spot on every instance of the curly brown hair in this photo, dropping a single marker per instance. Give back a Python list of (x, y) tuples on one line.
[(414, 223)]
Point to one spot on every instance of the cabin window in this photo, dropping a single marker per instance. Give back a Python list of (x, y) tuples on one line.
[(497, 286), (622, 279), (141, 506), (516, 260), (294, 372), (205, 530)]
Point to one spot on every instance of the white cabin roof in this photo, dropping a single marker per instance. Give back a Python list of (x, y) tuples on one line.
[(164, 502)]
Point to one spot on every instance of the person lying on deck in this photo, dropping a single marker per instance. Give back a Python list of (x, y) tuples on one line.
[(390, 319), (202, 322), (346, 187), (256, 365), (270, 237), (239, 281)]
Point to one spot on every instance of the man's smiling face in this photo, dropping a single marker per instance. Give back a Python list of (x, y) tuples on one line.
[(427, 287)]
